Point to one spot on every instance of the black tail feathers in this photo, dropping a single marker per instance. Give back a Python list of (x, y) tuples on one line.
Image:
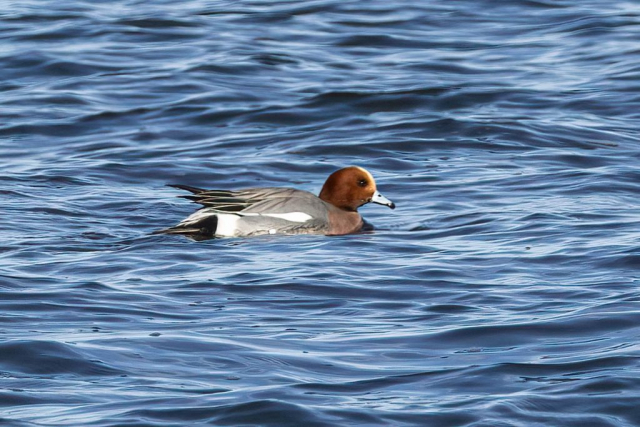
[(201, 230)]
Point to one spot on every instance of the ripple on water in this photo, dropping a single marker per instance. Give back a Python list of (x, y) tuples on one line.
[(501, 292)]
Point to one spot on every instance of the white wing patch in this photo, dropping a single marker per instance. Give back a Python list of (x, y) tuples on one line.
[(291, 216)]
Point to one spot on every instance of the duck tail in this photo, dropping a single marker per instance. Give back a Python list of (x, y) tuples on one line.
[(200, 230), (177, 230)]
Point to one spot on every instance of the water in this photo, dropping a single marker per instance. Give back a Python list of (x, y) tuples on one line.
[(503, 290)]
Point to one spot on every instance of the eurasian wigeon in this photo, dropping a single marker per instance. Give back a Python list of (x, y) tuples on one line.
[(256, 211)]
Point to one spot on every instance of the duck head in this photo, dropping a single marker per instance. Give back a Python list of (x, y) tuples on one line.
[(352, 187)]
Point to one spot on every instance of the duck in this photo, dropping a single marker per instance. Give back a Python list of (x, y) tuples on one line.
[(275, 210)]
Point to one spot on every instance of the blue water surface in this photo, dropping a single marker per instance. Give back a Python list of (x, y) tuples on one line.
[(503, 290)]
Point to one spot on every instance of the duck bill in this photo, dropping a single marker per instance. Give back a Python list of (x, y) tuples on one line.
[(381, 200)]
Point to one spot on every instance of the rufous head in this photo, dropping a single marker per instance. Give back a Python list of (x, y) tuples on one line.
[(352, 187)]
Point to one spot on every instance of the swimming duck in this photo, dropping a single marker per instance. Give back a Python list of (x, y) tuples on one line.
[(274, 210)]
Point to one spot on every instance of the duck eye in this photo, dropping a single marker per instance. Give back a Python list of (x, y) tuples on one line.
[(362, 183)]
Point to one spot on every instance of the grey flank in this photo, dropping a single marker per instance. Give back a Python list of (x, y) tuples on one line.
[(252, 204)]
